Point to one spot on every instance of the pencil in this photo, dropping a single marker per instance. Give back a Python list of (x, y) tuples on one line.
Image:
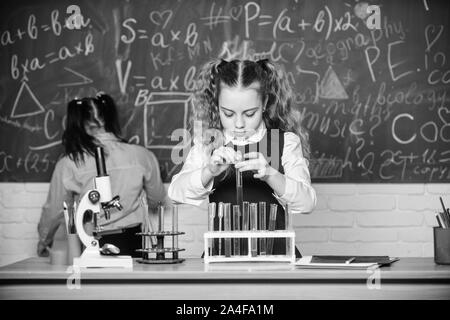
[(445, 213), (443, 220), (443, 206), (439, 221)]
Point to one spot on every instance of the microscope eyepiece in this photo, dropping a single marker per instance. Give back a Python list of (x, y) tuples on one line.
[(100, 162)]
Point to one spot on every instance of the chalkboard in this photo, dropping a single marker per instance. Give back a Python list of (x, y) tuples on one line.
[(375, 98)]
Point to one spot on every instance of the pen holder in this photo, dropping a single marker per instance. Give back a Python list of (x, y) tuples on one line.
[(58, 257), (441, 245), (73, 247)]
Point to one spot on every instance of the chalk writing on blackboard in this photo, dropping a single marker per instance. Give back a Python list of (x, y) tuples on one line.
[(374, 100)]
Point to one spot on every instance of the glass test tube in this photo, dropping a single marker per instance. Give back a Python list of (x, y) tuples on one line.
[(220, 216), (287, 227), (144, 239), (262, 226), (160, 239), (161, 217), (245, 226), (236, 227), (239, 195), (227, 224), (253, 224), (211, 216), (239, 188), (175, 226), (272, 220), (144, 227)]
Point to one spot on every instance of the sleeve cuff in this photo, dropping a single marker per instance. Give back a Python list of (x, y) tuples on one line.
[(289, 192), (197, 185)]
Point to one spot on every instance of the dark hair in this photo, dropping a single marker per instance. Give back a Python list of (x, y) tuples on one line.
[(100, 110), (274, 88)]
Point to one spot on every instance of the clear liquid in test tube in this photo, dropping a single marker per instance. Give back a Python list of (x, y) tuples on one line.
[(262, 227), (227, 224), (253, 227), (236, 227)]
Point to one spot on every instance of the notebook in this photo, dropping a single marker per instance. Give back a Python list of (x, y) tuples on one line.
[(344, 262)]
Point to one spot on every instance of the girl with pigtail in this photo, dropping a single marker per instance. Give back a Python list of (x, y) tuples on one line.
[(243, 119), (134, 171)]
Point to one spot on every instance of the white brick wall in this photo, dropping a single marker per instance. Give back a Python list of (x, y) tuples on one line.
[(375, 219)]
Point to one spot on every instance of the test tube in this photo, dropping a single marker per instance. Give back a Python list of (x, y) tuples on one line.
[(272, 220), (211, 215), (253, 224), (239, 193), (236, 227), (144, 240), (144, 226), (287, 226), (239, 188), (245, 226), (220, 215), (227, 223), (160, 238), (175, 230), (161, 217), (262, 226)]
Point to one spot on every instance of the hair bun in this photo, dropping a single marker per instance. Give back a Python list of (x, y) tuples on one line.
[(263, 64), (100, 96)]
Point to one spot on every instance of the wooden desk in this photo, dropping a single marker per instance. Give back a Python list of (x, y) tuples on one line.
[(409, 278)]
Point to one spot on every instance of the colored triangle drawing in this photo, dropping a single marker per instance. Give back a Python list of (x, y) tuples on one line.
[(331, 87), (78, 81), (24, 106)]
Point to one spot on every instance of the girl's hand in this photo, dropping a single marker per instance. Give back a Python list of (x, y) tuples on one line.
[(42, 249), (221, 159), (258, 163)]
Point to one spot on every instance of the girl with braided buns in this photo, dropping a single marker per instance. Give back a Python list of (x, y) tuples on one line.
[(250, 104)]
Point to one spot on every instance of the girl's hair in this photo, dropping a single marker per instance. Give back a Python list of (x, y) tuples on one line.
[(274, 86), (100, 110)]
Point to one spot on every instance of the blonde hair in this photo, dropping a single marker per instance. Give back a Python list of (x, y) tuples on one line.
[(274, 86)]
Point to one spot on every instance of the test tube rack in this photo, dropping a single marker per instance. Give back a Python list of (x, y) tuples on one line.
[(249, 235), (159, 248)]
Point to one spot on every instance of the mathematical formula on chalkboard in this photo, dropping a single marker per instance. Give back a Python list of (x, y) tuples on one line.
[(371, 86)]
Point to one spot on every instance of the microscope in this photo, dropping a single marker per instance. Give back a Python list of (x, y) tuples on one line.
[(92, 203)]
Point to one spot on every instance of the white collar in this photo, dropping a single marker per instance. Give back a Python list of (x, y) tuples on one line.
[(105, 136), (254, 138)]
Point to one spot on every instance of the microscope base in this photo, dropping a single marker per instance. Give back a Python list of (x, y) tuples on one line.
[(91, 258), (104, 262)]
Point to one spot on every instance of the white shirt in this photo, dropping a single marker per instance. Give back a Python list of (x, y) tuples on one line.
[(187, 187)]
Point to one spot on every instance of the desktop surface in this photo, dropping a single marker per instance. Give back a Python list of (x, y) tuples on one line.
[(408, 278)]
